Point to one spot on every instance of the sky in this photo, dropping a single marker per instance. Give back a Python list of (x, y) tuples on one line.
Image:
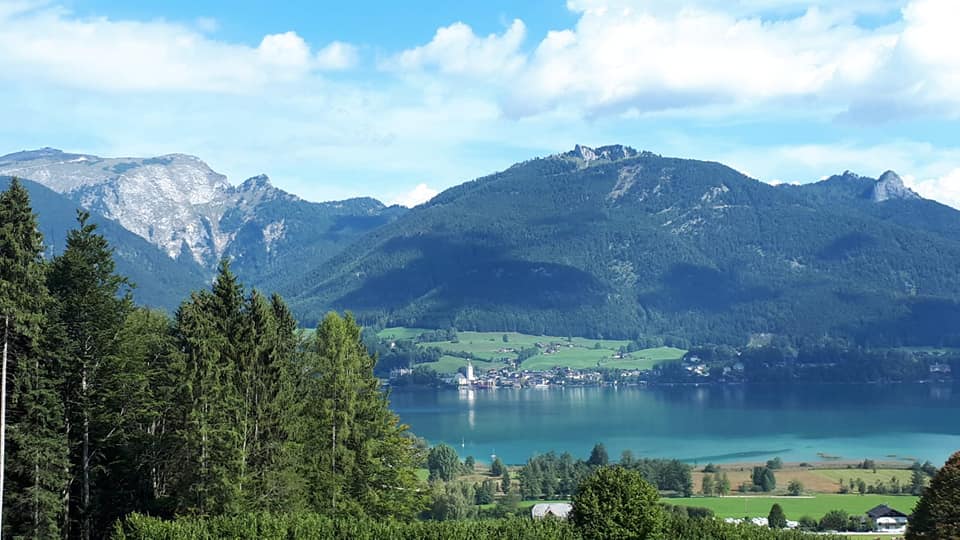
[(400, 100)]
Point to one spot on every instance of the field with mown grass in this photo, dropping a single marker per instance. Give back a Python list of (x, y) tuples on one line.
[(814, 506)]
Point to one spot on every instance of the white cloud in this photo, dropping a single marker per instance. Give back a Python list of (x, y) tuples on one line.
[(51, 45), (620, 59), (418, 195), (456, 50), (287, 50), (945, 189), (337, 55), (640, 56)]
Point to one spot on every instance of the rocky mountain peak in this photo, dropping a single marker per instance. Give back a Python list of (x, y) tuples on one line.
[(890, 186), (255, 183), (586, 155)]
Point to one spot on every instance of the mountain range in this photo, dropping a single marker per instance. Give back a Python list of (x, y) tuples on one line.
[(603, 242), (190, 215)]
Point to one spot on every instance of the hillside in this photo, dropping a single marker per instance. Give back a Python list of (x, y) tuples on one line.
[(610, 242)]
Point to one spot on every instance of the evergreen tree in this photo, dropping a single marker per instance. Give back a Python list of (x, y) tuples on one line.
[(36, 448), (207, 330), (723, 486), (142, 452), (598, 456), (497, 468), (918, 482), (485, 492), (937, 514), (362, 462), (92, 304), (776, 519), (707, 486), (505, 482)]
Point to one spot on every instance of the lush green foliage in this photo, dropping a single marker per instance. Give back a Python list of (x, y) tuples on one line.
[(315, 527), (615, 502), (443, 462), (937, 515)]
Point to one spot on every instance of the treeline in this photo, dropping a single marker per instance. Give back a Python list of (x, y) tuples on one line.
[(820, 360), (222, 410)]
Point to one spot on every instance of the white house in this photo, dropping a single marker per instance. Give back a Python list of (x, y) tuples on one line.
[(888, 520), (558, 510)]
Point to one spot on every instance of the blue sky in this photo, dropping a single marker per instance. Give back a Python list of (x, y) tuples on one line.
[(400, 100)]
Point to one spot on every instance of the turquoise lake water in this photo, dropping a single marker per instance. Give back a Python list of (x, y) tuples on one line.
[(696, 424)]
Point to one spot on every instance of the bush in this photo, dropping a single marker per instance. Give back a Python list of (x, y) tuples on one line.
[(834, 520), (795, 488), (316, 527)]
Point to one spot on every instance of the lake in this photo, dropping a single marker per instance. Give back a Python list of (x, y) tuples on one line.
[(702, 424)]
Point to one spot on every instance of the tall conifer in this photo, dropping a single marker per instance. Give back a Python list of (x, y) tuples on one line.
[(91, 309), (36, 449)]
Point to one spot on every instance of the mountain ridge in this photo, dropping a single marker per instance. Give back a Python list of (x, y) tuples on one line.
[(606, 241), (637, 243)]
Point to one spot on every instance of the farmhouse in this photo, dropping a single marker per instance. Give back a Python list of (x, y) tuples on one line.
[(558, 510), (886, 519)]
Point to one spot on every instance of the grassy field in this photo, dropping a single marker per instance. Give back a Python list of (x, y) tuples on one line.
[(450, 365), (814, 480), (574, 353), (399, 332), (796, 507), (884, 475)]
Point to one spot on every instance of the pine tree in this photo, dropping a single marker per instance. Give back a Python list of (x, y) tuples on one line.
[(598, 456), (90, 311), (708, 485), (36, 449), (937, 514), (268, 377), (207, 330), (776, 519), (139, 389), (362, 463)]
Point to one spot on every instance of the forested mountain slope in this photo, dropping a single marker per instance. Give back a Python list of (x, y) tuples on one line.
[(617, 243)]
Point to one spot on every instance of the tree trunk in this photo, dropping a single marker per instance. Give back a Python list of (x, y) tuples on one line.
[(85, 489), (3, 413)]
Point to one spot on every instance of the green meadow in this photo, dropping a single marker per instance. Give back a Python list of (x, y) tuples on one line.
[(814, 506), (574, 352)]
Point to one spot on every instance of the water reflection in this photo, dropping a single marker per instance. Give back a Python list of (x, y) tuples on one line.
[(693, 422)]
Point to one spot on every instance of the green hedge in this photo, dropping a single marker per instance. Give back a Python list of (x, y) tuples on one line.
[(315, 527)]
